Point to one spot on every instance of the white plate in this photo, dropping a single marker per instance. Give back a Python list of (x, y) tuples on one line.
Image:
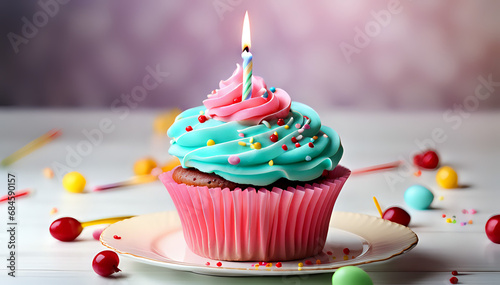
[(157, 239)]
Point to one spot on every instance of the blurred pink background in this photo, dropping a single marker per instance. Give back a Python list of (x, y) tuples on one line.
[(415, 55)]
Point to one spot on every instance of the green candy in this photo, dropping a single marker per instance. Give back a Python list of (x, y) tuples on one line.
[(351, 275)]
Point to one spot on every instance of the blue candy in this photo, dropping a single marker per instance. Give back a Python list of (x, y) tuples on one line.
[(418, 197)]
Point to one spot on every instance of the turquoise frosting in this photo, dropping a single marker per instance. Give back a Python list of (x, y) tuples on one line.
[(302, 163)]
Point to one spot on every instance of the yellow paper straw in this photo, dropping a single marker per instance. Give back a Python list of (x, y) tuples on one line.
[(31, 146), (104, 221), (378, 207)]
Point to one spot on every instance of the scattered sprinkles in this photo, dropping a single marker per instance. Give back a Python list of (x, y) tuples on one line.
[(297, 126), (329, 252), (48, 173), (311, 145), (418, 173), (233, 159), (273, 138), (117, 237), (308, 262), (308, 158), (346, 250), (269, 264), (266, 123), (454, 273), (242, 143), (294, 139), (297, 145), (207, 264), (251, 140), (280, 122), (272, 89), (346, 257), (440, 198), (284, 147), (189, 128), (219, 264), (257, 145), (318, 261), (299, 137), (453, 280), (278, 264), (256, 266), (241, 135), (307, 127), (287, 127), (271, 162), (301, 264), (315, 137), (210, 142), (53, 211)]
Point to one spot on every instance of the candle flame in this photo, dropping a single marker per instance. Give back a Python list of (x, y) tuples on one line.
[(245, 36)]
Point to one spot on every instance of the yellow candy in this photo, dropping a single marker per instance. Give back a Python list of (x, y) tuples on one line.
[(163, 121), (144, 166), (74, 182), (447, 177), (210, 142)]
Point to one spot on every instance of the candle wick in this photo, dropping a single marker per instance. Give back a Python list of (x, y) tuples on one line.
[(246, 49)]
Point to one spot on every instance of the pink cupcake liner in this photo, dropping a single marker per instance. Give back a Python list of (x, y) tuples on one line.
[(256, 225)]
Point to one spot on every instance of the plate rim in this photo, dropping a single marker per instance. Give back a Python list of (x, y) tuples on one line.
[(211, 270)]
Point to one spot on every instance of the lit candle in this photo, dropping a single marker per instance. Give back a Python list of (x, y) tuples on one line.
[(247, 60)]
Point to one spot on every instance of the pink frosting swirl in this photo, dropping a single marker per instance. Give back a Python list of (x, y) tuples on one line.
[(226, 105)]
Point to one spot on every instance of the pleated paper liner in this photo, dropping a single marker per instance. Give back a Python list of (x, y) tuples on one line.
[(256, 225)]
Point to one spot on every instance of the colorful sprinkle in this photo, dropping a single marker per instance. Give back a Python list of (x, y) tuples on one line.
[(257, 145), (301, 131), (251, 140), (308, 158), (308, 262), (318, 261), (284, 147), (202, 119), (233, 159), (417, 173), (271, 162), (213, 91), (440, 198), (262, 263), (287, 127), (278, 264), (301, 264), (207, 264), (315, 137), (464, 211), (256, 266), (273, 138), (189, 128), (242, 143), (470, 222), (329, 252), (117, 237), (346, 251), (219, 264), (311, 145), (443, 215), (454, 273), (210, 142), (241, 135), (306, 117), (472, 211), (272, 89), (297, 145), (346, 257), (269, 264), (265, 95), (294, 139), (53, 211), (300, 137), (237, 100), (453, 280), (280, 122), (448, 221), (266, 123), (202, 112), (463, 223), (48, 173), (297, 126), (307, 127)]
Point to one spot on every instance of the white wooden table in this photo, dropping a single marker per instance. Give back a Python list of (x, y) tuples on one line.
[(368, 138)]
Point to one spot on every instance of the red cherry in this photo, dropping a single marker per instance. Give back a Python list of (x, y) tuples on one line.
[(311, 145), (65, 229), (454, 272), (202, 119), (492, 229), (454, 280), (273, 138), (294, 140), (280, 122), (428, 159), (284, 147), (219, 264), (278, 264), (106, 263), (189, 128), (308, 262), (297, 145), (397, 215)]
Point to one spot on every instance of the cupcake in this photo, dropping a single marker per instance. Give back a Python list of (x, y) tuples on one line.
[(258, 178)]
